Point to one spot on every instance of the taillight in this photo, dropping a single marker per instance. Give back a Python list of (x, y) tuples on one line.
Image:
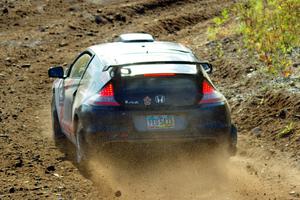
[(106, 97), (207, 88), (210, 95), (107, 91)]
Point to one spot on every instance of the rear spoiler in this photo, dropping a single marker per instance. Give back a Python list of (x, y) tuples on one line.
[(206, 65)]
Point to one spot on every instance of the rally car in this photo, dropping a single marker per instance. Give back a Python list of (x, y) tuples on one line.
[(138, 90)]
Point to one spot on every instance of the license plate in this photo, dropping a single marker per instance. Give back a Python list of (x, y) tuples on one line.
[(160, 121)]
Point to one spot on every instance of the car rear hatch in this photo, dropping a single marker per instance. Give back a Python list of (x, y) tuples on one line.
[(158, 95), (158, 91)]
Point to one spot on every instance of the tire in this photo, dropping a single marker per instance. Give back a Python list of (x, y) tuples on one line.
[(227, 146), (58, 135), (60, 139), (233, 141), (83, 151)]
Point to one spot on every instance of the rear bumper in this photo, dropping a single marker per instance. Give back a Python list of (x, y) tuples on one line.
[(112, 125)]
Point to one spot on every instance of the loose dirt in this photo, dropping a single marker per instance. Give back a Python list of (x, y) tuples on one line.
[(35, 35)]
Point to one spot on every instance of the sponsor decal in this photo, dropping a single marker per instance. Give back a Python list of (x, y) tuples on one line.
[(147, 101)]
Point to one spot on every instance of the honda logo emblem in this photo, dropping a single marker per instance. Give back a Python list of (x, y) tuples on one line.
[(160, 99)]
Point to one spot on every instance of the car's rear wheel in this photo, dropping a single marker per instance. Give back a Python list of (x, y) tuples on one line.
[(226, 146), (83, 152), (233, 141)]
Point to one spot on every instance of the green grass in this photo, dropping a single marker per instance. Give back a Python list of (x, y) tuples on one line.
[(286, 131)]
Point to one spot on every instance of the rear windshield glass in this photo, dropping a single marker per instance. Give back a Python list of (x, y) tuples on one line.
[(166, 84)]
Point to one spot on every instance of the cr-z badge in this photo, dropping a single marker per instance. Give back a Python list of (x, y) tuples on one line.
[(131, 102), (160, 99), (147, 101)]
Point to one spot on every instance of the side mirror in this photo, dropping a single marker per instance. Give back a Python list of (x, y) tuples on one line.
[(208, 68), (56, 72)]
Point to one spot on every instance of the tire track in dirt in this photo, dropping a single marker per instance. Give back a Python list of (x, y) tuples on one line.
[(142, 8), (172, 25), (164, 23)]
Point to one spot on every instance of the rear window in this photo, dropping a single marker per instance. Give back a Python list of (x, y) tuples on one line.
[(161, 84), (178, 90)]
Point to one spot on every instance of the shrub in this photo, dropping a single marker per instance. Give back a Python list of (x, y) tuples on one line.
[(270, 29)]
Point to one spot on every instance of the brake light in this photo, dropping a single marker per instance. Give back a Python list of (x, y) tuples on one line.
[(105, 97), (159, 74), (210, 95), (207, 88), (107, 91)]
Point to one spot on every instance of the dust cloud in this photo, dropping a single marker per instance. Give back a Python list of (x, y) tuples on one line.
[(166, 172), (174, 174)]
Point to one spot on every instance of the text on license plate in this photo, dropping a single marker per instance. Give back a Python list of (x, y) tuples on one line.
[(160, 121)]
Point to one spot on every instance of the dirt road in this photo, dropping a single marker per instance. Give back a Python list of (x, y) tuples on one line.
[(35, 35)]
